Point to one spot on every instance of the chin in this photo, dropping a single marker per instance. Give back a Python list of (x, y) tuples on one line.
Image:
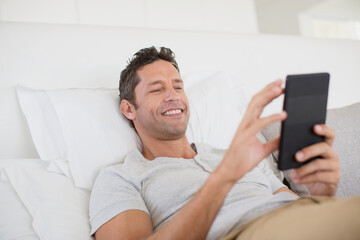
[(175, 133)]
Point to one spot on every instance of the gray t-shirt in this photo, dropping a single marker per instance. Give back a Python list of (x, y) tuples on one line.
[(161, 187)]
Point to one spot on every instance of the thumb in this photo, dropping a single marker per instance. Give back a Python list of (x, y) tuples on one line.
[(271, 146)]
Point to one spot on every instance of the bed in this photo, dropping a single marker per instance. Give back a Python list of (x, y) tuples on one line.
[(61, 124)]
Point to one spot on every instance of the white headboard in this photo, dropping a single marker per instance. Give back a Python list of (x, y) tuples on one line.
[(50, 56)]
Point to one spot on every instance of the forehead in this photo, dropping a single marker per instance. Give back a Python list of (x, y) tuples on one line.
[(158, 70)]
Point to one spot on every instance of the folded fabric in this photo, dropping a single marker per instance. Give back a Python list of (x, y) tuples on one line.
[(59, 210), (15, 219)]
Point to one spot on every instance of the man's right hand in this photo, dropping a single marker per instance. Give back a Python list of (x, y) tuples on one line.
[(246, 151)]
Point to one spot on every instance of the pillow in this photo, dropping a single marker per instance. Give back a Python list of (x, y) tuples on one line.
[(58, 208), (92, 133), (90, 124), (345, 121), (347, 141), (216, 107), (15, 219), (95, 132), (45, 128), (43, 124)]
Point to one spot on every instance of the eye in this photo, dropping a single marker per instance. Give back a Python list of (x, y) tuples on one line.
[(155, 90)]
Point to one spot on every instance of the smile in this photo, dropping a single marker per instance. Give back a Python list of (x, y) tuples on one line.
[(172, 112)]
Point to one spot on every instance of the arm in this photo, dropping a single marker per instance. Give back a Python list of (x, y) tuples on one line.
[(244, 153), (200, 211), (131, 224)]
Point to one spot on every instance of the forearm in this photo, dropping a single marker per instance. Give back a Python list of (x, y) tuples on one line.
[(194, 220)]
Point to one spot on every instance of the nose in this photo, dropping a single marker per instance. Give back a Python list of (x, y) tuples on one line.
[(171, 95)]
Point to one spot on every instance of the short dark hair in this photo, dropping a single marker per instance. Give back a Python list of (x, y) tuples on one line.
[(129, 78)]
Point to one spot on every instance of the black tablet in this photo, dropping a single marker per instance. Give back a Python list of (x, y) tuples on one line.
[(305, 103)]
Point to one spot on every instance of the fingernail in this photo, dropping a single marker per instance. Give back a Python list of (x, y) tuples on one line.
[(318, 128), (300, 155)]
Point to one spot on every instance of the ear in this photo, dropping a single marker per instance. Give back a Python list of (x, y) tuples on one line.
[(127, 109)]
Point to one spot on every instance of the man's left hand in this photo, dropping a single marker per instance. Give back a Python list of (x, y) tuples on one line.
[(321, 175)]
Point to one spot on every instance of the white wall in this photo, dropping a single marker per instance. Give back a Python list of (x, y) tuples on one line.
[(311, 18), (281, 16), (332, 19), (206, 15), (53, 56)]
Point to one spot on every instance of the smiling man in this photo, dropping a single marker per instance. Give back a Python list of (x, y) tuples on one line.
[(172, 189), (160, 109)]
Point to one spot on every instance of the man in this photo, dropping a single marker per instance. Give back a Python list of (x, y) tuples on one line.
[(176, 190)]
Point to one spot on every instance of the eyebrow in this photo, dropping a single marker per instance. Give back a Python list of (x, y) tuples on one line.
[(177, 80)]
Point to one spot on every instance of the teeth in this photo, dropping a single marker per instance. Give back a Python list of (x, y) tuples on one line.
[(172, 112)]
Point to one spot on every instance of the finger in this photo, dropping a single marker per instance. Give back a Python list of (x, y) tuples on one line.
[(261, 123), (264, 97), (315, 166), (319, 149), (271, 146), (327, 132), (320, 177), (260, 100)]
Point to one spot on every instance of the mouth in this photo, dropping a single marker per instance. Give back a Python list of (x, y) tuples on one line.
[(173, 112)]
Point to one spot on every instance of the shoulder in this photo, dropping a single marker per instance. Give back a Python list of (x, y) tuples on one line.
[(122, 173), (116, 190)]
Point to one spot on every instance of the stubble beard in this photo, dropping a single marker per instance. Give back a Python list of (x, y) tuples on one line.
[(172, 132), (165, 131)]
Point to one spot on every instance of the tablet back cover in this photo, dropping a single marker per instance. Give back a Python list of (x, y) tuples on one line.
[(306, 104)]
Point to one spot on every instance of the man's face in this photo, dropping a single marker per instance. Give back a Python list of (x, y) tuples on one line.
[(163, 108)]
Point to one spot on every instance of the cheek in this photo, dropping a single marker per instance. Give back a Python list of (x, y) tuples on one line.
[(186, 101), (149, 107)]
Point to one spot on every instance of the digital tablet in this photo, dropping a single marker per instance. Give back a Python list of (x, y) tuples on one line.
[(305, 102)]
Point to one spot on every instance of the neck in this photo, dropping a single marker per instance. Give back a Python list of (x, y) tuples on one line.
[(179, 148)]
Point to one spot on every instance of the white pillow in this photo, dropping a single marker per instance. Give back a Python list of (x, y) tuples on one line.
[(88, 121), (58, 208), (216, 107), (15, 219), (95, 133), (43, 123)]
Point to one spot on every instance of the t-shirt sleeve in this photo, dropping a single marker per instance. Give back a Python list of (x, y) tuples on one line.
[(111, 195), (274, 181)]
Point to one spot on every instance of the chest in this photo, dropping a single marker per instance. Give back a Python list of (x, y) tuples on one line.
[(165, 189)]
